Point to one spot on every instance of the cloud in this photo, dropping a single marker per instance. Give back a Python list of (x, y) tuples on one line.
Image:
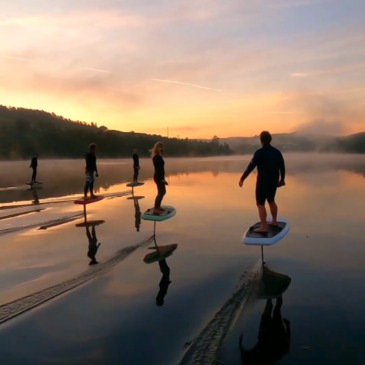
[(331, 70), (293, 3), (323, 127), (298, 74)]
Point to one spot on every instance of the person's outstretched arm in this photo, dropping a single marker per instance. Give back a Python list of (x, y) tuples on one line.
[(249, 169)]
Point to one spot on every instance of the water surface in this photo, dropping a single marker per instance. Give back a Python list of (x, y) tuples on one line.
[(107, 313)]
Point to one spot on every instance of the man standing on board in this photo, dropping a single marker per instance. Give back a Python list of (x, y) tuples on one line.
[(34, 166), (270, 175), (90, 169)]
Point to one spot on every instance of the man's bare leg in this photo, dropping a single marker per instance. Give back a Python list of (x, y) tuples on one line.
[(274, 213), (262, 215)]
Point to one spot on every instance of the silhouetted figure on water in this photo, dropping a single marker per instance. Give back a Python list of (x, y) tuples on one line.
[(91, 171), (273, 339), (164, 282), (93, 245), (34, 166), (159, 176), (136, 166)]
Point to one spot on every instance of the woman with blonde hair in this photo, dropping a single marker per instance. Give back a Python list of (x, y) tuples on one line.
[(159, 175)]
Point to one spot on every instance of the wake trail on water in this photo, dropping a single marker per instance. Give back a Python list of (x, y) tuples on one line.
[(21, 305), (44, 225), (49, 201), (50, 223), (22, 213), (205, 347)]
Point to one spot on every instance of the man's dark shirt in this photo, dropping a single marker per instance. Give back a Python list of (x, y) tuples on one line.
[(159, 163), (34, 162), (135, 160), (270, 165), (90, 159)]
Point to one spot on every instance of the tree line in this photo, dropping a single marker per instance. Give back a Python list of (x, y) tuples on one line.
[(24, 132)]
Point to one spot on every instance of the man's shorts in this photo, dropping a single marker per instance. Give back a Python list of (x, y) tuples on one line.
[(265, 192), (89, 177)]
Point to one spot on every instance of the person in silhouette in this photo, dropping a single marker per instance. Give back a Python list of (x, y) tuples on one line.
[(137, 215), (136, 166), (270, 175), (273, 338), (164, 283), (34, 166), (93, 245), (90, 170), (159, 175)]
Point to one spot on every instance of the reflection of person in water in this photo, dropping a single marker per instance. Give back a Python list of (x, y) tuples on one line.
[(137, 214), (273, 339), (35, 196), (93, 245), (164, 282)]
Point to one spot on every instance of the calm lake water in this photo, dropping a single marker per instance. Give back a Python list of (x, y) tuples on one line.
[(212, 291)]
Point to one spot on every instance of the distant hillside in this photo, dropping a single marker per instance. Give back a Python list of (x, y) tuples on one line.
[(295, 142), (25, 131), (354, 143)]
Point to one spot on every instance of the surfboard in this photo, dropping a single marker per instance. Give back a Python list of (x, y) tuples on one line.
[(88, 200), (33, 188), (34, 182), (137, 183), (136, 197), (169, 212), (90, 223), (274, 234), (160, 254)]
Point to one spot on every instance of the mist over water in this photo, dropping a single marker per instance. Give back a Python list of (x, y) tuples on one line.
[(66, 177)]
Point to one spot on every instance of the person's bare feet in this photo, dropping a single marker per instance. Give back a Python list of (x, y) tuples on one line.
[(273, 223), (260, 230), (158, 211)]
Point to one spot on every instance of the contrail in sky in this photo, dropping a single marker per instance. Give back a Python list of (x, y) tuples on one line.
[(186, 84), (95, 70), (15, 58)]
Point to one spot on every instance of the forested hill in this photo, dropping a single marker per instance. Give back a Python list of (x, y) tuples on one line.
[(24, 132)]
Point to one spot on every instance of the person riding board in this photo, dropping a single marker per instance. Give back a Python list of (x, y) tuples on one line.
[(270, 175)]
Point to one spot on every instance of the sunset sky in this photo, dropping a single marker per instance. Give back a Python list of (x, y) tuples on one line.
[(187, 68)]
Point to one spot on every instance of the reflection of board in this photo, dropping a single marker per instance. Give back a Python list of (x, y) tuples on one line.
[(88, 200), (162, 252), (150, 216), (32, 188), (135, 197), (272, 284), (90, 223), (137, 183), (274, 234), (34, 183)]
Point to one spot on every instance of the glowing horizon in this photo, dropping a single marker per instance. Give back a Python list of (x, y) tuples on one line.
[(196, 69)]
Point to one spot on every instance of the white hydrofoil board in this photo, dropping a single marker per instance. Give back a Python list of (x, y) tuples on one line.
[(168, 213), (274, 234)]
